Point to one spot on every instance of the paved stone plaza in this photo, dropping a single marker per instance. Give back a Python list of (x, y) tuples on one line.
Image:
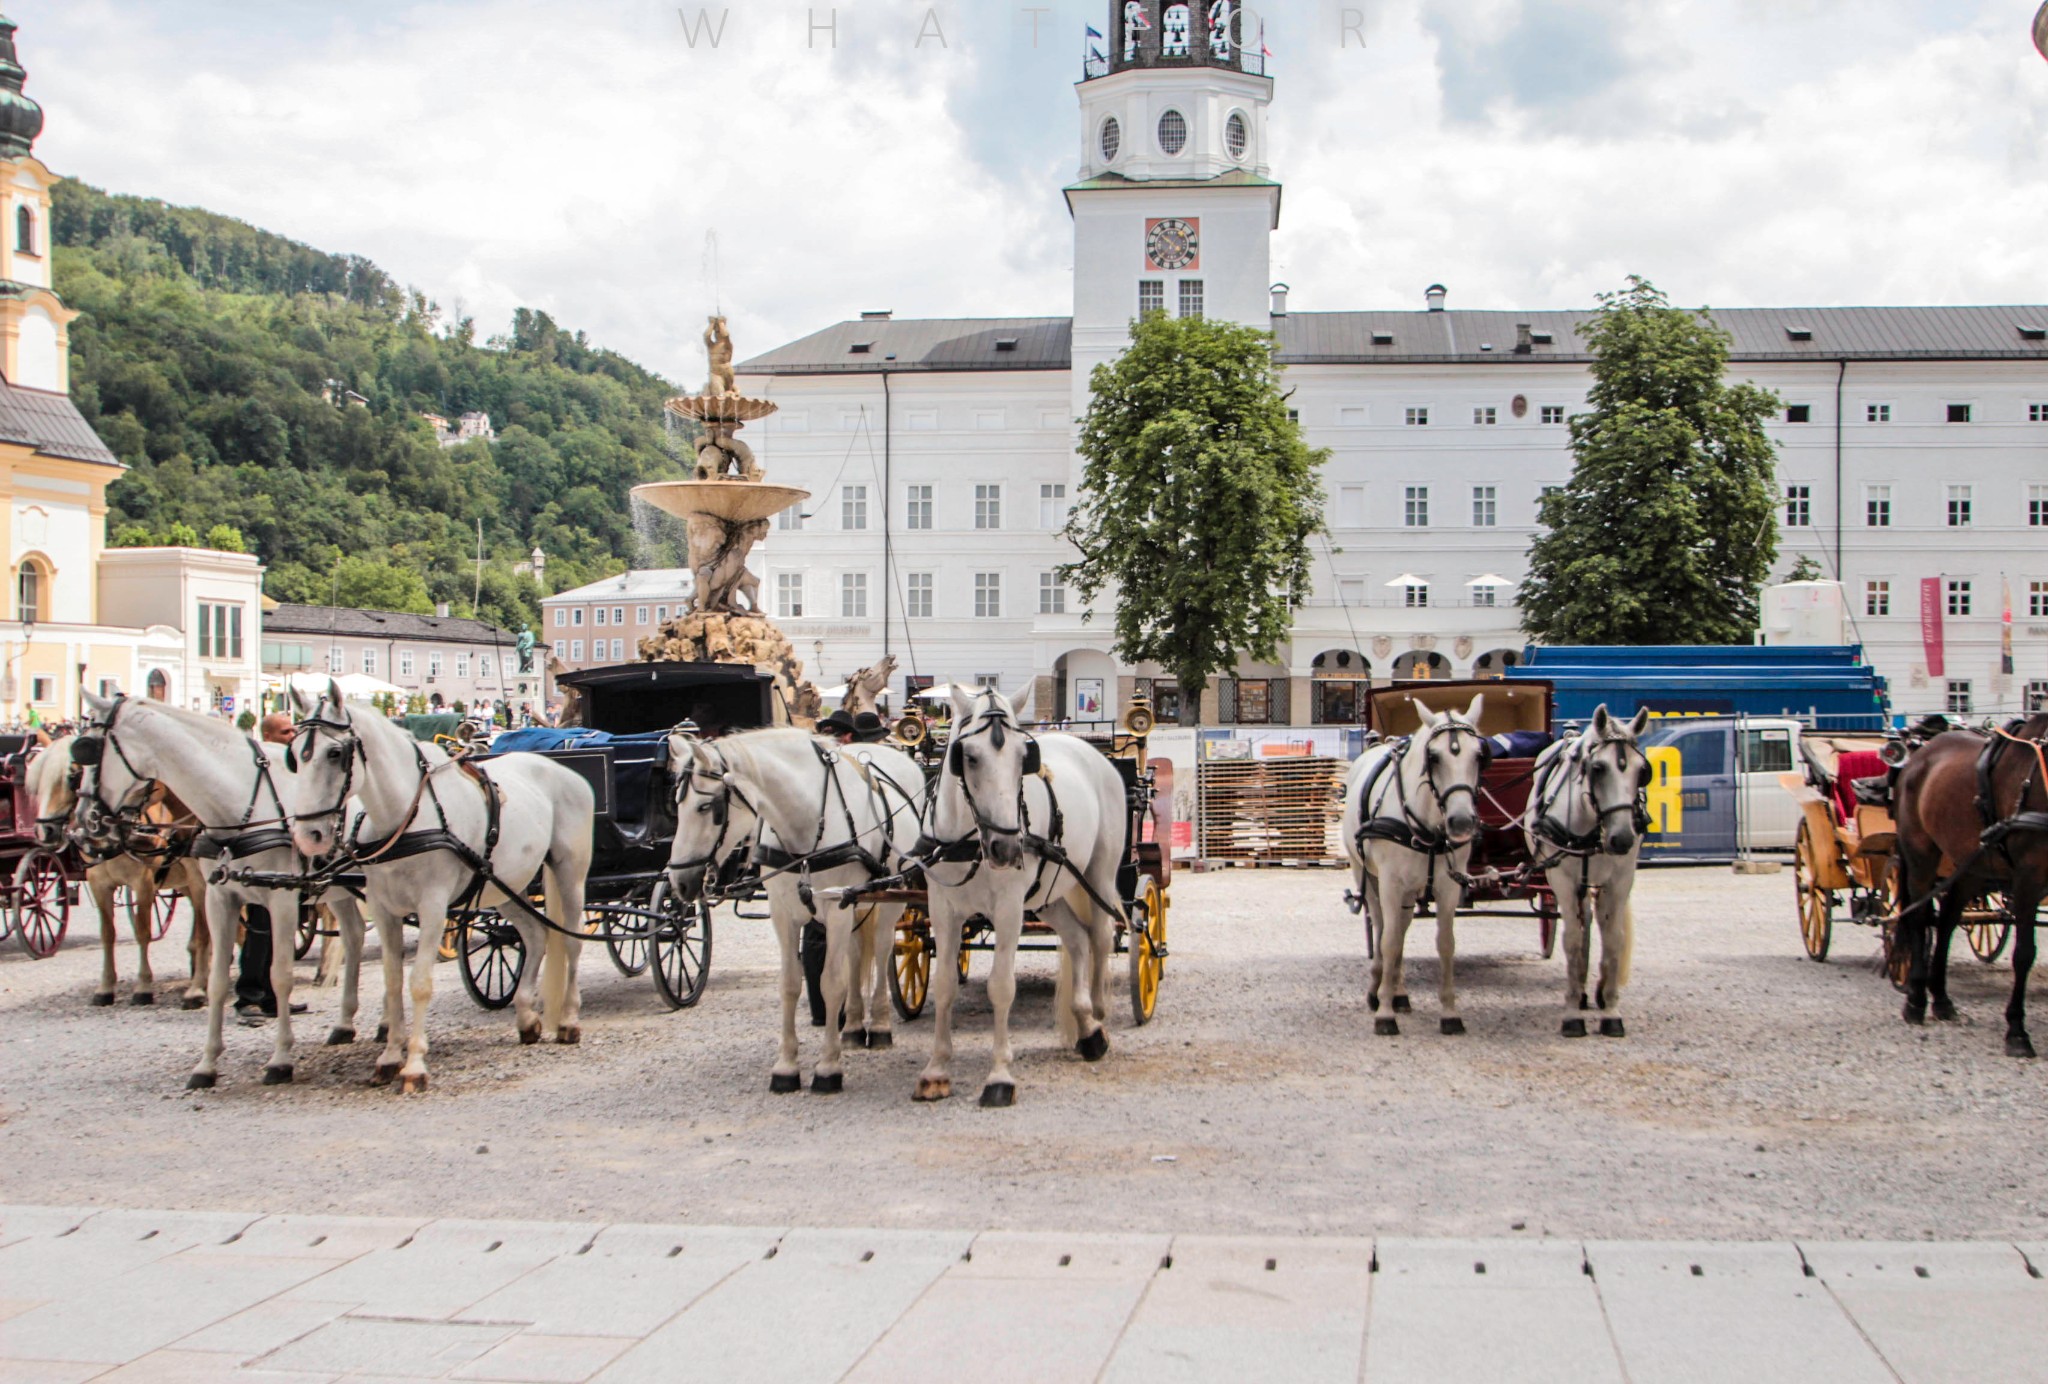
[(163, 1296)]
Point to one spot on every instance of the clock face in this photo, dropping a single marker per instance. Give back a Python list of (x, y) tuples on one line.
[(1172, 243)]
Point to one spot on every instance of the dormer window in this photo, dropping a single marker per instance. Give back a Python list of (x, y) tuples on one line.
[(860, 348), (25, 231), (1799, 333), (1006, 343), (1382, 338)]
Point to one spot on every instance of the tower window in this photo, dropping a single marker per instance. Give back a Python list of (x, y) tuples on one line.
[(25, 231), (1151, 296), (1190, 297), (28, 594), (1173, 133), (1112, 139), (1237, 135)]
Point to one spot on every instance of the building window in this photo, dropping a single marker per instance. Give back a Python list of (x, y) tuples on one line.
[(484, 666), (576, 617), (988, 595), (2037, 599), (434, 663), (1112, 139), (1877, 597), (1958, 697), (1485, 595), (575, 651), (25, 232), (1237, 135), (2037, 695), (853, 595), (991, 681), (1798, 506), (405, 665), (988, 506), (2037, 413), (640, 614), (1485, 416), (917, 507), (1415, 595), (1190, 297), (1415, 515), (1877, 413), (1552, 413), (789, 595), (1052, 506), (337, 659), (370, 662), (618, 615), (1173, 133), (1151, 296), (42, 689), (2037, 506), (1485, 509), (597, 616), (220, 630), (462, 664), (561, 617), (1799, 413), (1877, 506), (917, 596), (1959, 597), (1959, 413), (1052, 594), (853, 507), (1959, 506), (791, 518), (661, 615), (618, 650), (1418, 417), (28, 600)]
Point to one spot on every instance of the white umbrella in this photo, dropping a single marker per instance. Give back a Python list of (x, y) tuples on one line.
[(362, 687), (1489, 579), (1409, 579), (832, 694)]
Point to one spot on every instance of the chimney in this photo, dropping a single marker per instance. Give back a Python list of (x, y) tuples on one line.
[(1279, 300), (1434, 294), (441, 609), (874, 315), (1524, 344)]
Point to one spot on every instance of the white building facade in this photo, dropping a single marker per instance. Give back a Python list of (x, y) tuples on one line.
[(940, 453)]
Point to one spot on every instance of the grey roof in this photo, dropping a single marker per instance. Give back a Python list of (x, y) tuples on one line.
[(1345, 338), (318, 621), (931, 343), (51, 424)]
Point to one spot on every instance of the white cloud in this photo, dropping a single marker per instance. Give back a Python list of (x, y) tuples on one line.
[(575, 158)]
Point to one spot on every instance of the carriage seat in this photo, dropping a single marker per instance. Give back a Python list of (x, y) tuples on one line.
[(1850, 766), (1520, 744)]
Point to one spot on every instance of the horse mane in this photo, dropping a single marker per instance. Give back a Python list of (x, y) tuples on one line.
[(42, 779)]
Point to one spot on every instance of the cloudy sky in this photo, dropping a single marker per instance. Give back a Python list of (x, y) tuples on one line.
[(588, 159)]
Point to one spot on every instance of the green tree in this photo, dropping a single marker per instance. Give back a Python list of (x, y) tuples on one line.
[(1198, 498), (1667, 528), (1804, 568), (226, 538)]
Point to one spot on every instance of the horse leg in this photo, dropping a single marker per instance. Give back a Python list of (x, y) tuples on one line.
[(1447, 949), (222, 914), (1001, 1087), (1564, 879), (788, 1075), (199, 942), (935, 1082), (348, 921), (2017, 1044), (1375, 948), (1950, 918), (390, 919), (1617, 945), (140, 920), (1393, 943), (1073, 1009), (860, 956), (412, 1077), (829, 1075), (562, 992), (1912, 930), (103, 903), (283, 905), (878, 948)]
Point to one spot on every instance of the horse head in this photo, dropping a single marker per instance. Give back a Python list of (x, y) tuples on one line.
[(1449, 755), (320, 769), (1616, 771), (114, 778), (714, 818), (988, 760)]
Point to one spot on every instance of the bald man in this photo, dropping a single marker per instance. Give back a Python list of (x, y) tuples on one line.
[(255, 999)]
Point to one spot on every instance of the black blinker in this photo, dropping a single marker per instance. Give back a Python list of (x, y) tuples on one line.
[(1032, 760), (953, 760), (87, 749)]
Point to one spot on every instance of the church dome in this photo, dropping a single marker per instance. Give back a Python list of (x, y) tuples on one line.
[(21, 119)]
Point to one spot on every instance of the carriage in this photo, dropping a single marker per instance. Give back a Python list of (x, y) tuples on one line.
[(1843, 858), (1142, 879), (38, 883)]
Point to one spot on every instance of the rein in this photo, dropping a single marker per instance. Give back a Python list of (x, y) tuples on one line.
[(248, 836)]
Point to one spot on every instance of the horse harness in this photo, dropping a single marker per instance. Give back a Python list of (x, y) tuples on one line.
[(1407, 829), (1553, 777), (133, 831), (1998, 830)]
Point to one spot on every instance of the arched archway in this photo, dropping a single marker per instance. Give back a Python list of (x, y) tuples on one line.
[(1338, 682), (1495, 663), (1084, 686), (1421, 663)]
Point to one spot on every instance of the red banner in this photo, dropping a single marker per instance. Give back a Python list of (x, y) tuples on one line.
[(1930, 624)]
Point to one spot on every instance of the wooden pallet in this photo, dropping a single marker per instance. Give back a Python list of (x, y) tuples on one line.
[(1269, 810)]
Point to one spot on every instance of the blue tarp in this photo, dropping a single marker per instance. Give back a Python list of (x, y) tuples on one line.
[(1830, 686)]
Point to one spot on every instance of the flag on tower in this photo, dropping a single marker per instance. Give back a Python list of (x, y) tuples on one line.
[(2005, 628)]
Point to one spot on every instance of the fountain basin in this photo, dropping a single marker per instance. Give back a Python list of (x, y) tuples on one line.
[(737, 502), (721, 408)]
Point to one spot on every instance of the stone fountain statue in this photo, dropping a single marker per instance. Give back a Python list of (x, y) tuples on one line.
[(725, 507)]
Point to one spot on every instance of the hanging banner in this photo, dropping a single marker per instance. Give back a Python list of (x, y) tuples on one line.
[(2005, 628), (1930, 624)]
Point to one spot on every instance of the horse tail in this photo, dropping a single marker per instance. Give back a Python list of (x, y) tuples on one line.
[(1628, 943), (554, 961)]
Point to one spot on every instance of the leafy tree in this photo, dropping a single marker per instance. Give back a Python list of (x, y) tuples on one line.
[(1667, 528), (226, 538), (1198, 498), (1804, 568)]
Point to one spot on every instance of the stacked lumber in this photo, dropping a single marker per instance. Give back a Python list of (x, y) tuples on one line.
[(1275, 809)]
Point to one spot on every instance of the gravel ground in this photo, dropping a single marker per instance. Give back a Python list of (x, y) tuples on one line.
[(1757, 1095)]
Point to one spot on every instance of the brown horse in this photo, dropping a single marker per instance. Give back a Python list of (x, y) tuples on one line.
[(1993, 840)]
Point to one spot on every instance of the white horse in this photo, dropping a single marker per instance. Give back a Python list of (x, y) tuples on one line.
[(50, 783), (1021, 822), (830, 817), (425, 821), (1582, 828), (1410, 816), (229, 782)]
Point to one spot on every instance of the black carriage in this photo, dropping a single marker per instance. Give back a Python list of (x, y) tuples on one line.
[(38, 882)]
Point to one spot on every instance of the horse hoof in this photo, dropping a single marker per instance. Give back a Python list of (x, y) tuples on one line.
[(383, 1032), (529, 1036), (1094, 1046), (1945, 1011), (1386, 1028), (1401, 1005), (832, 1085), (1450, 1026), (340, 1037), (853, 1037), (784, 1083), (411, 1085), (1573, 1028), (203, 1081), (998, 1094), (569, 1035), (102, 1001), (193, 1002), (881, 1038), (2018, 1045), (933, 1088), (1372, 1001), (142, 997), (1612, 1028), (385, 1073), (277, 1076), (1914, 1016)]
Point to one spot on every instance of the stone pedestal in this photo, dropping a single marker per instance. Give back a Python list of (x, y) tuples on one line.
[(722, 637)]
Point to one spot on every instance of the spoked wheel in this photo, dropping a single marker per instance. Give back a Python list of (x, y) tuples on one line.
[(1816, 905), (1989, 937), (42, 903), (451, 940), (1147, 948), (679, 946), (910, 970), (492, 956), (625, 937), (307, 930)]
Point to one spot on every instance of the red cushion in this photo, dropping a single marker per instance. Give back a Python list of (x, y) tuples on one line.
[(1851, 765)]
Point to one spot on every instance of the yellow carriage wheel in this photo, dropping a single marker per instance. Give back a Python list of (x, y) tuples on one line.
[(1816, 905), (451, 939), (1987, 926), (910, 975), (1148, 950)]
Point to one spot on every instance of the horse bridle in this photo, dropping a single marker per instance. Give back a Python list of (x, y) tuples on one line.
[(1443, 795), (997, 727), (719, 804), (88, 751), (351, 746), (1581, 754)]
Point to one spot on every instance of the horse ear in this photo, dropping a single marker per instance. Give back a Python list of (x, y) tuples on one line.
[(98, 705), (679, 748), (700, 756), (1639, 724), (1602, 722), (334, 693), (963, 703), (1472, 711)]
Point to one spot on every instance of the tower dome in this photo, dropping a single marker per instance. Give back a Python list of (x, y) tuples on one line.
[(21, 119)]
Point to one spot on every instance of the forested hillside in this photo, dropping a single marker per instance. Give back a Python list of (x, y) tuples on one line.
[(213, 358)]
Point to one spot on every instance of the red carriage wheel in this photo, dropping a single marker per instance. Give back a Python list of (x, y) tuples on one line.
[(42, 903)]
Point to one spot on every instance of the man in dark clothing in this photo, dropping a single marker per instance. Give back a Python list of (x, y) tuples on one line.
[(255, 1000)]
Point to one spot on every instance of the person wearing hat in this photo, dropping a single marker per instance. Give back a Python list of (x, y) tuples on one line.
[(868, 728), (839, 726)]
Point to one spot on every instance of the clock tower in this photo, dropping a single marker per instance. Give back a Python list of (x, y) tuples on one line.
[(1174, 210)]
